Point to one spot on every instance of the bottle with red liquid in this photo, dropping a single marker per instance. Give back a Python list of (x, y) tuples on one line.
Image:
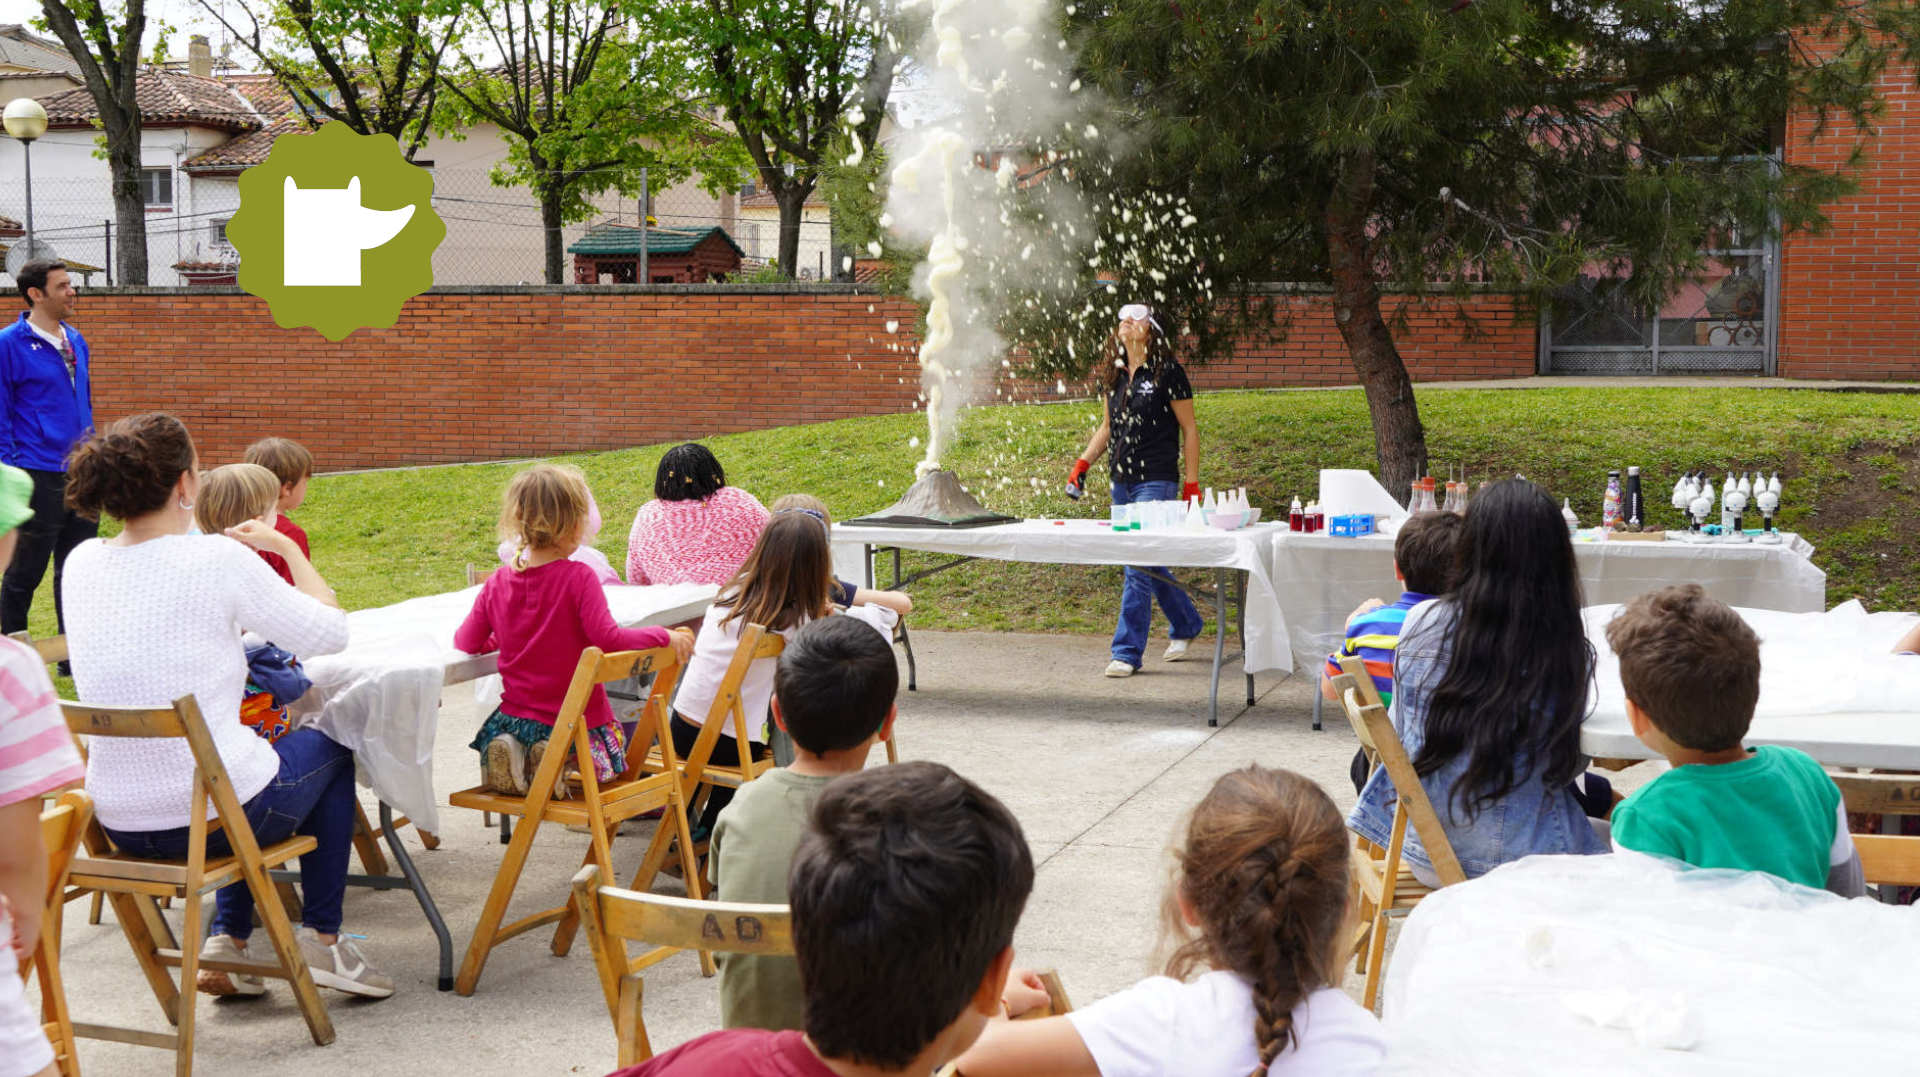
[(1296, 517)]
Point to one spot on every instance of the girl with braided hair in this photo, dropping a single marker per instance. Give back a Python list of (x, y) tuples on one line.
[(1258, 909)]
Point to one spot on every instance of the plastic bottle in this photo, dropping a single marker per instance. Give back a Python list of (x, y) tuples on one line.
[(1296, 517), (1610, 502), (1566, 513), (1316, 520)]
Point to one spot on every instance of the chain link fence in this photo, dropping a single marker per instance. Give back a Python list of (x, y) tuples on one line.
[(494, 234)]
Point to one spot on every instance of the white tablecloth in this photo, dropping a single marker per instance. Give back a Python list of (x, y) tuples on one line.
[(1320, 579), (1829, 686), (381, 695), (1590, 964), (1094, 542)]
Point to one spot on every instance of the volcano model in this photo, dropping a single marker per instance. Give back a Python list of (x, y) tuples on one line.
[(934, 500)]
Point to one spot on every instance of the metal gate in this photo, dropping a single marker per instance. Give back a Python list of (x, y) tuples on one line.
[(1721, 322)]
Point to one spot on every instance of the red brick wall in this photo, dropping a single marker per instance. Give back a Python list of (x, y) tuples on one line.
[(473, 375), (1850, 299)]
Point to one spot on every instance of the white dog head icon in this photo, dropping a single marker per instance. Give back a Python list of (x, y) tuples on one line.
[(326, 228)]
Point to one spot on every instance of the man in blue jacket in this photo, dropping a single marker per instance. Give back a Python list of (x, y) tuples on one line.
[(47, 405)]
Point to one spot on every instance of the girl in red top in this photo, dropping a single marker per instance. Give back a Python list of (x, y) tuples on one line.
[(540, 611)]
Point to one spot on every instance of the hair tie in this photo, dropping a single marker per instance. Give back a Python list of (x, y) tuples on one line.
[(818, 516)]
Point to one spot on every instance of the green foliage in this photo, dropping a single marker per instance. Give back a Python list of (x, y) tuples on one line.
[(1517, 142)]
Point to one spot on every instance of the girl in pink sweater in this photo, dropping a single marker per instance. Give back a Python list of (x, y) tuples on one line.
[(540, 611)]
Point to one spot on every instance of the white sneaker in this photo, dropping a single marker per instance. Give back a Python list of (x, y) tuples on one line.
[(341, 966), (1117, 668), (222, 984), (1176, 650)]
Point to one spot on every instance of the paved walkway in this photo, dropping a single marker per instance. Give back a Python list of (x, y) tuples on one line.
[(1098, 771)]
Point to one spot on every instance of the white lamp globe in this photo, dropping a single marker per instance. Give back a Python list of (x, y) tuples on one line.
[(25, 119)]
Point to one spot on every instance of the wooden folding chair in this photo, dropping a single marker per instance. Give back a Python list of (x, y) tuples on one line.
[(1058, 1005), (133, 884), (1382, 881), (1885, 859), (61, 828), (668, 924), (600, 808)]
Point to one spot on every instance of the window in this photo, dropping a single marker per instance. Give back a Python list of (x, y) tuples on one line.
[(219, 232), (156, 187)]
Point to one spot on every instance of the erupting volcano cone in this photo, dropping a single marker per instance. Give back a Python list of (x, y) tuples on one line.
[(934, 500)]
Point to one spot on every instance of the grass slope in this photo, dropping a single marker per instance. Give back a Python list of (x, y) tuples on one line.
[(1852, 461)]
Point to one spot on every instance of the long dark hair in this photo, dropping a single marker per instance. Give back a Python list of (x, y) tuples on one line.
[(1159, 354), (1521, 669), (688, 472)]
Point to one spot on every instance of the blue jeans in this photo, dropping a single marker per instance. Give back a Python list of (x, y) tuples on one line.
[(312, 795), (1138, 592)]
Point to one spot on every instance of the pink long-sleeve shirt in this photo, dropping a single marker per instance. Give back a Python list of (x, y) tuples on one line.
[(540, 619), (694, 541)]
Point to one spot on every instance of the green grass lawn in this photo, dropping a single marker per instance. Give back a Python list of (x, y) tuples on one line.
[(1851, 461)]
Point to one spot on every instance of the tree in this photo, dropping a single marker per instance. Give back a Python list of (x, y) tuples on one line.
[(588, 93), (105, 45), (380, 61), (792, 76), (1387, 145)]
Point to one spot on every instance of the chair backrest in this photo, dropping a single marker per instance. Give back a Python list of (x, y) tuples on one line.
[(210, 780), (1882, 794), (51, 649), (477, 575), (686, 924), (1888, 860), (1372, 726), (756, 644), (61, 827)]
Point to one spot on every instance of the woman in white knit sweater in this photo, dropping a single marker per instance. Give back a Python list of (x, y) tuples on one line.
[(154, 614)]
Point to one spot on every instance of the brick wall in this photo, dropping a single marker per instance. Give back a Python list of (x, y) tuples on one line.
[(498, 373), (1850, 299)]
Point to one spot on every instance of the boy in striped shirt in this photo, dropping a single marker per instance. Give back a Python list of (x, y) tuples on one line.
[(1423, 562), (37, 756)]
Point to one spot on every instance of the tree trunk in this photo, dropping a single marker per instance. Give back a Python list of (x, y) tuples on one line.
[(129, 205), (552, 225), (1399, 440), (792, 198)]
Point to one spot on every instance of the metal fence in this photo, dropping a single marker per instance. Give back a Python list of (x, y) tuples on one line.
[(494, 234)]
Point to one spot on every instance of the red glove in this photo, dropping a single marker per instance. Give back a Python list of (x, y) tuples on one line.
[(1189, 491), (1079, 472)]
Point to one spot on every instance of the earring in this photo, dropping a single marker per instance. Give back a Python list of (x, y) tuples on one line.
[(185, 505)]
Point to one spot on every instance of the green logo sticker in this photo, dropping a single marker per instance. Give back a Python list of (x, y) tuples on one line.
[(336, 231)]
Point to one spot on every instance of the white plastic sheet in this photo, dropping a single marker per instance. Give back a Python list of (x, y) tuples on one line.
[(1320, 579), (1094, 542), (1829, 685), (381, 695), (1627, 965)]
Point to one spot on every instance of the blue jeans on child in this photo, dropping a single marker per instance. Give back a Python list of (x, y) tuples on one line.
[(312, 795), (1140, 590)]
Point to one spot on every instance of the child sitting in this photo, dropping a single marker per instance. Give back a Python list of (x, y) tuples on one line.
[(38, 759), (291, 465), (833, 693), (1261, 896), (540, 613), (1423, 560), (229, 496), (584, 553), (846, 593), (786, 581), (905, 892), (1691, 668)]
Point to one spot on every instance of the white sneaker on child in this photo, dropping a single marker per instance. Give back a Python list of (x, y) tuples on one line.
[(503, 766)]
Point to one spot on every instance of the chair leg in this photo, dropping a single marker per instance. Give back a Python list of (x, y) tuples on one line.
[(133, 912), (93, 914), (504, 882), (631, 1026), (569, 924), (893, 749), (1376, 956), (189, 977)]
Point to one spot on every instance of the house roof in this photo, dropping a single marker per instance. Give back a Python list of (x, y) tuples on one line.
[(625, 239), (166, 97), (242, 152), (765, 200), (22, 48), (10, 227)]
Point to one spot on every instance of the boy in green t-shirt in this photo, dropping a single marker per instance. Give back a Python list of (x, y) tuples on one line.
[(1691, 668), (833, 693)]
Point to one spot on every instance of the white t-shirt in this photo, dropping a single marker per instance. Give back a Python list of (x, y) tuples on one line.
[(713, 651), (1161, 1027), (149, 623)]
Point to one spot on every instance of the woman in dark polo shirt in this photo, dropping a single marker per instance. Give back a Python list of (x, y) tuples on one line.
[(1148, 423)]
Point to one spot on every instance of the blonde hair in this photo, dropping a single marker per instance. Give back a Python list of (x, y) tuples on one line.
[(803, 503), (234, 493), (287, 459), (545, 507)]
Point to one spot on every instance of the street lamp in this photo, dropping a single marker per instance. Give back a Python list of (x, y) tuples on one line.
[(26, 121)]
